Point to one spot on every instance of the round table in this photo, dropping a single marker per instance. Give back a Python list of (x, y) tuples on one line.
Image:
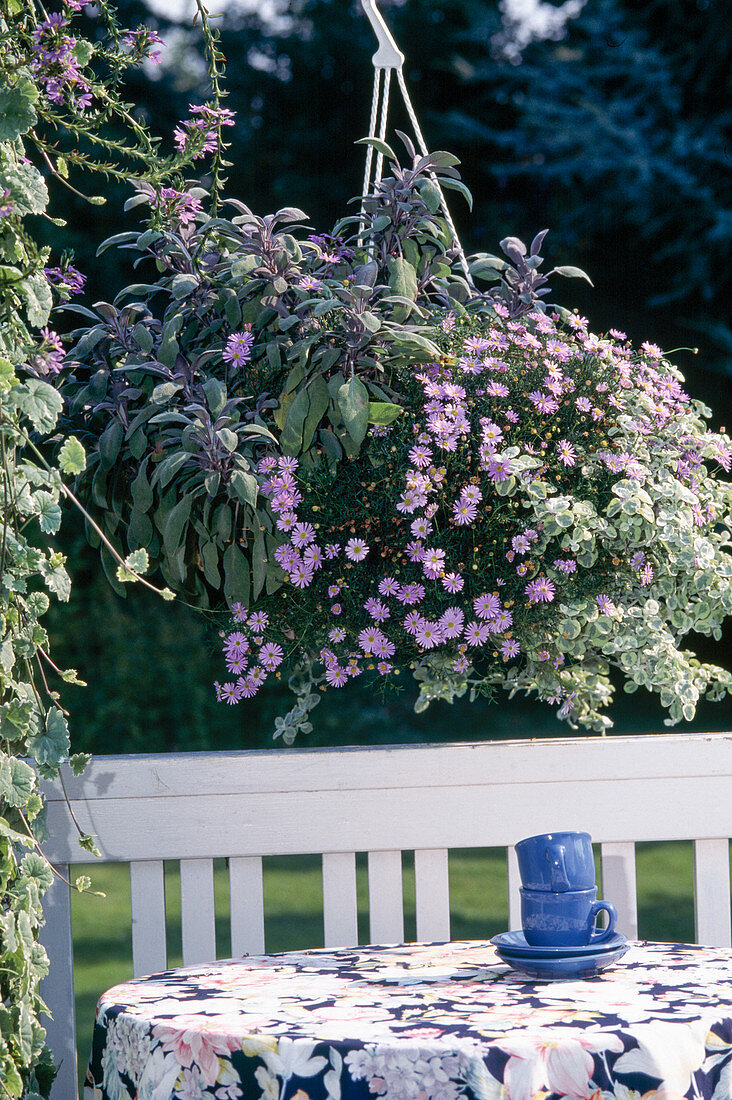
[(419, 1022)]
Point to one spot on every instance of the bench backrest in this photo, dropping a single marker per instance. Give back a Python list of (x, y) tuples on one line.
[(383, 801)]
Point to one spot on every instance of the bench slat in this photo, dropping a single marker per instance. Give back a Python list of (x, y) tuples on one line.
[(147, 897), (246, 898), (57, 989), (386, 909), (711, 892), (619, 886), (340, 904), (514, 885), (432, 894), (198, 924)]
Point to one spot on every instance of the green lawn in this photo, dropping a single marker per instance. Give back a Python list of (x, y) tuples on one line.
[(292, 897)]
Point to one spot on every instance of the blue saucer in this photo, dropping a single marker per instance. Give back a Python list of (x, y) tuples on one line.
[(550, 969), (514, 943)]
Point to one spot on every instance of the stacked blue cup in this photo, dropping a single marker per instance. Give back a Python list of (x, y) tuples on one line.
[(559, 906)]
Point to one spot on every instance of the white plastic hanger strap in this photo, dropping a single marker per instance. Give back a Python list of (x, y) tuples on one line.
[(424, 151), (389, 57)]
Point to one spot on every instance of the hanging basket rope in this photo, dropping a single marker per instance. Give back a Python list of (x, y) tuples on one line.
[(387, 59)]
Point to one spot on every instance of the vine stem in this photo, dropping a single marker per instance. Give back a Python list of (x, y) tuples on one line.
[(90, 519), (42, 854)]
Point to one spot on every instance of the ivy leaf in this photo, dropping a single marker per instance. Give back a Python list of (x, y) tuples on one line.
[(135, 564), (7, 654), (353, 401), (56, 579), (51, 745), (72, 457), (78, 762), (27, 188), (15, 719), (17, 780), (38, 298), (36, 867), (8, 377), (71, 676), (17, 113), (48, 512), (38, 401)]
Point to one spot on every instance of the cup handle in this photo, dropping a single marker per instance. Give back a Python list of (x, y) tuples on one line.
[(612, 917), (559, 880)]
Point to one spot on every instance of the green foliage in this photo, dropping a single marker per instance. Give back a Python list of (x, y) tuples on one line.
[(58, 93), (250, 336), (31, 723)]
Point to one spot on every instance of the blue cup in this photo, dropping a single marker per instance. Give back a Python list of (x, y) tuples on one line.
[(566, 919), (556, 862)]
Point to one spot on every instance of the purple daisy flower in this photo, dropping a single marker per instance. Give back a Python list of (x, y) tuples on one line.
[(428, 634), (228, 693), (476, 634), (236, 644), (356, 550), (238, 348), (451, 622), (369, 638), (464, 512), (303, 534), (270, 656), (566, 453), (301, 575), (313, 557), (388, 586), (412, 621), (540, 590), (487, 606)]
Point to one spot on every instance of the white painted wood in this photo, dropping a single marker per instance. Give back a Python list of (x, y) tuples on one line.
[(386, 909), (514, 885), (602, 759), (198, 925), (340, 903), (147, 897), (57, 989), (401, 798), (619, 886), (712, 892), (246, 899), (432, 894), (194, 807)]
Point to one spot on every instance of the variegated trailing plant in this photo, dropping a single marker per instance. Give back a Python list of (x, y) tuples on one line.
[(59, 88), (343, 438)]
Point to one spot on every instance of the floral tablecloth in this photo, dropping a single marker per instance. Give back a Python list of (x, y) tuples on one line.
[(419, 1022)]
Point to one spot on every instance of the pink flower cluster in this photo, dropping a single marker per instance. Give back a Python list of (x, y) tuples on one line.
[(55, 63), (248, 656), (176, 207), (397, 588), (201, 135)]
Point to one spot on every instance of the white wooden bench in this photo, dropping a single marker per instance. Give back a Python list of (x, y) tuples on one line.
[(382, 801)]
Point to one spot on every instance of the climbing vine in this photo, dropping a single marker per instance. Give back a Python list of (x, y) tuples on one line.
[(62, 116)]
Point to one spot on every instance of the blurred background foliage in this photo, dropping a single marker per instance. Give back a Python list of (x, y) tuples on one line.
[(610, 127)]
